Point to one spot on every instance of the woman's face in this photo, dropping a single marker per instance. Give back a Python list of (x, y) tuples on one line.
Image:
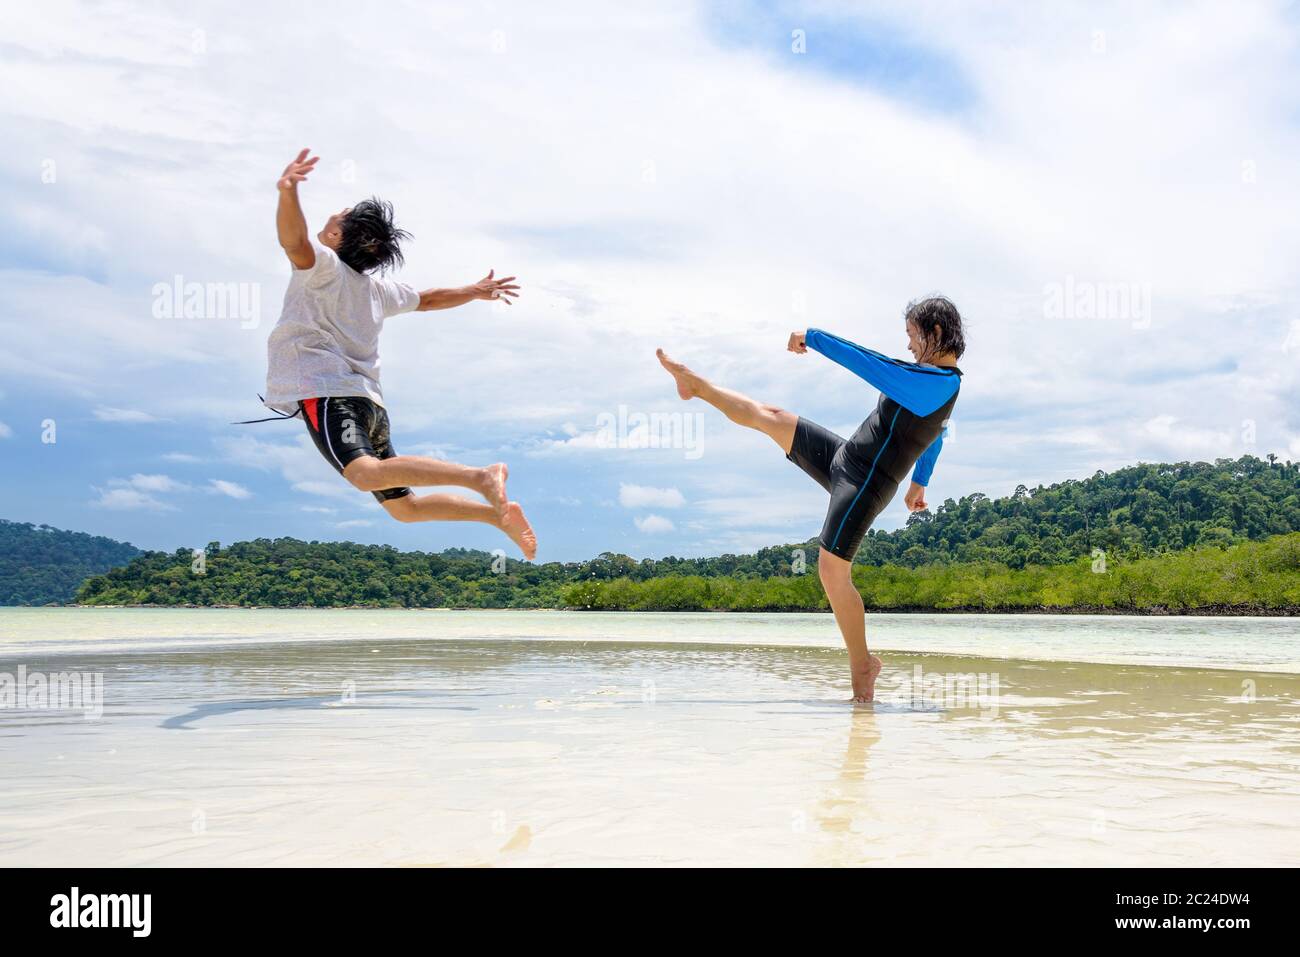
[(915, 344)]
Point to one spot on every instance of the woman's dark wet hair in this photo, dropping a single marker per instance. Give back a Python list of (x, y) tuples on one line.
[(371, 240), (938, 311)]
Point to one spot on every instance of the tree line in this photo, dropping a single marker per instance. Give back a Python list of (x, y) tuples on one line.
[(1250, 578), (1261, 576), (968, 547), (41, 565)]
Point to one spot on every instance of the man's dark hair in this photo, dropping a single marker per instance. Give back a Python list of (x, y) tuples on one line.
[(938, 311), (371, 241)]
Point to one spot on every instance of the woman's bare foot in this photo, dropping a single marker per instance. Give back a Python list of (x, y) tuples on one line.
[(687, 381), (516, 526), (493, 487), (864, 682)]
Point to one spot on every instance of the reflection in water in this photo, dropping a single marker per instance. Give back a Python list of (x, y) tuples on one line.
[(846, 808)]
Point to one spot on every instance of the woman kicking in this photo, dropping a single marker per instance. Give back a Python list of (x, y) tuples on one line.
[(904, 431)]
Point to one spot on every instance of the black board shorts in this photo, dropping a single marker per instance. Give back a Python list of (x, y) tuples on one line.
[(345, 428)]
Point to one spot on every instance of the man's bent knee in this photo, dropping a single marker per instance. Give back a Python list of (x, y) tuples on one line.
[(403, 509), (364, 473)]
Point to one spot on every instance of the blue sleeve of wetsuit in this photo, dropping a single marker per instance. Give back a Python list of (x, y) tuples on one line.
[(917, 388), (925, 464)]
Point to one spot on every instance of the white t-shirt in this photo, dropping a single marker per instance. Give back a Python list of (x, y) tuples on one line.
[(326, 342)]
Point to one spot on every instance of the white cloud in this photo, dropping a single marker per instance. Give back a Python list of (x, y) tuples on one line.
[(129, 499), (184, 458), (353, 523), (654, 524), (1171, 437), (801, 510), (644, 496), (139, 492), (5, 431), (339, 491), (151, 483), (232, 489), (292, 460), (108, 414)]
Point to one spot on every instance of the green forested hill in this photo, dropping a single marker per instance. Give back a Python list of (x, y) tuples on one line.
[(994, 546), (1134, 512), (40, 565)]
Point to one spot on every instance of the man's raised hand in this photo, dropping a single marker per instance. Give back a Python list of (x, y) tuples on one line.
[(297, 171), (490, 288), (798, 343)]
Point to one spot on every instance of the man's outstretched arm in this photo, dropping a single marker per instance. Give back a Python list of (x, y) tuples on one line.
[(289, 220), (485, 288)]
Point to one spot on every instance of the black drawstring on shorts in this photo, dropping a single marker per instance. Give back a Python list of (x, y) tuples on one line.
[(278, 417)]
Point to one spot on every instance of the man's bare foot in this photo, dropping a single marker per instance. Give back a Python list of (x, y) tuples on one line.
[(864, 682), (687, 381), (494, 485), (516, 526)]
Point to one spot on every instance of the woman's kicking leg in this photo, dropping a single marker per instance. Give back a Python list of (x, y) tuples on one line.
[(851, 616), (772, 421), (438, 507)]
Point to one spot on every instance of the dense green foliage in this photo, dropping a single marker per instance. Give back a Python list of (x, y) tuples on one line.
[(1135, 512), (1258, 577), (956, 557), (40, 565), (285, 572)]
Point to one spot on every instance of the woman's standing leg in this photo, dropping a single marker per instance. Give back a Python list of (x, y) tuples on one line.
[(851, 616)]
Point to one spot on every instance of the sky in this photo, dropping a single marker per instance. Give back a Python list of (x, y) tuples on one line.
[(1108, 191)]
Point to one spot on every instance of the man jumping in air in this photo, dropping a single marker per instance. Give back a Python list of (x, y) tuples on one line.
[(324, 360)]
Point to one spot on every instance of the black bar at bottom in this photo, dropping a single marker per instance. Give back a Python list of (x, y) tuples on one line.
[(337, 907)]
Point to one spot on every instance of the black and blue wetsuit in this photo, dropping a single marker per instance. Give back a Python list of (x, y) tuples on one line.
[(905, 430)]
